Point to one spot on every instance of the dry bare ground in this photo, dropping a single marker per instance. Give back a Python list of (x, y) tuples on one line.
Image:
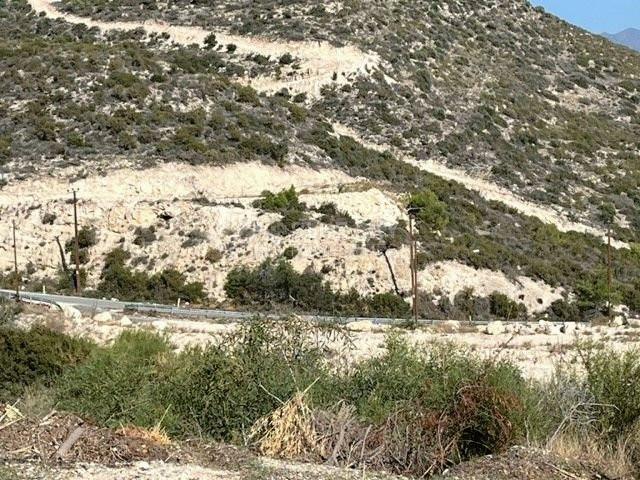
[(217, 201), (34, 449)]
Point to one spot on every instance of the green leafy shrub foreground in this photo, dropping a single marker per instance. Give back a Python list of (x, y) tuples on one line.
[(423, 408), (35, 356)]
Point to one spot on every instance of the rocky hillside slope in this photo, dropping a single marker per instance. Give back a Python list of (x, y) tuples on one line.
[(524, 127)]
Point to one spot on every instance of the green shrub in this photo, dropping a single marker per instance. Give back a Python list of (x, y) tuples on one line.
[(35, 356), (167, 286), (290, 252), (482, 404), (274, 283), (9, 309), (217, 391), (613, 380), (563, 311), (430, 211), (592, 292), (388, 305), (144, 236), (280, 202), (332, 216), (503, 307), (222, 390), (87, 238), (119, 384), (213, 255)]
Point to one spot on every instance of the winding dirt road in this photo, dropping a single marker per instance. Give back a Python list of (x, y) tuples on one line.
[(320, 61), (324, 62)]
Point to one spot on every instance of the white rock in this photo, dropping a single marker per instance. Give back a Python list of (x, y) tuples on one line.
[(361, 326), (453, 325), (619, 321), (103, 317), (495, 328), (634, 322), (70, 312), (554, 330), (526, 330), (125, 321), (159, 325), (513, 328), (569, 328)]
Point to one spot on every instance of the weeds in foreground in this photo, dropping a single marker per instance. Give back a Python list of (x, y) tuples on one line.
[(411, 410)]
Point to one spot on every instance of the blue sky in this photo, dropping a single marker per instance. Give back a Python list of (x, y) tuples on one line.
[(598, 16)]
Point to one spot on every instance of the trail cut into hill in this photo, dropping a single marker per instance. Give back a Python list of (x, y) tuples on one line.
[(488, 190), (320, 63)]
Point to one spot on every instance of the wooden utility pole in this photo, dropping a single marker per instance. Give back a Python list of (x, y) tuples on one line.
[(414, 274), (609, 272), (15, 260), (76, 278)]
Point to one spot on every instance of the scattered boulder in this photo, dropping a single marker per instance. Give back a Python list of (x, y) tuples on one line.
[(555, 329), (125, 321), (103, 317), (514, 328), (543, 327), (452, 325), (361, 326), (526, 330), (495, 328), (70, 312), (619, 321), (634, 322)]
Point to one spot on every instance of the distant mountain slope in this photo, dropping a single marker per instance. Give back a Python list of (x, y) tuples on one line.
[(629, 38)]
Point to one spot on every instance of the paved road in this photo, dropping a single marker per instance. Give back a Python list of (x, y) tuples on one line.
[(96, 304)]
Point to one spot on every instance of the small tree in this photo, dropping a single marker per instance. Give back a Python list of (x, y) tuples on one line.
[(427, 208)]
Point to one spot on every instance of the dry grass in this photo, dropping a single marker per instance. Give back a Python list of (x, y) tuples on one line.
[(288, 431), (155, 435), (613, 460)]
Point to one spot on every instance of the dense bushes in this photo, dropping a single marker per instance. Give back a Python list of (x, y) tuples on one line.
[(274, 283), (475, 406), (437, 404), (37, 355), (167, 286), (217, 391), (8, 310), (287, 204)]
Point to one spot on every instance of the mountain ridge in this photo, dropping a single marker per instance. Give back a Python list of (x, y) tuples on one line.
[(629, 37)]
